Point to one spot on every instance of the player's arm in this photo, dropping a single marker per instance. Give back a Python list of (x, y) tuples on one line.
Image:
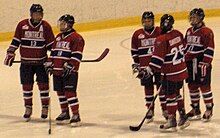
[(15, 43), (49, 37), (134, 53), (208, 47), (77, 51)]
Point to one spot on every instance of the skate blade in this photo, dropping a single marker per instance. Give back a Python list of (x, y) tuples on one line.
[(64, 122), (27, 119), (206, 120), (195, 118), (172, 129), (149, 120), (186, 124), (75, 124)]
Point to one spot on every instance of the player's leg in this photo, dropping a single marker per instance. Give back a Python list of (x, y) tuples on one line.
[(207, 95), (193, 86), (183, 119), (149, 96), (64, 117), (43, 86), (162, 98), (70, 86), (27, 80), (171, 106)]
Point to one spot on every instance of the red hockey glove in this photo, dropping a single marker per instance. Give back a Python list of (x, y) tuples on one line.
[(203, 66), (48, 66), (145, 73), (9, 59), (68, 69)]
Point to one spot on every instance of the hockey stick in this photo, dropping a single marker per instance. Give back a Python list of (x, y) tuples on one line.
[(136, 128), (101, 57), (49, 130)]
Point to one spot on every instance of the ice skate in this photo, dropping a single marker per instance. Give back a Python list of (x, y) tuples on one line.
[(169, 126), (28, 113), (63, 118), (208, 113), (183, 122), (150, 117), (44, 112), (195, 113), (75, 121)]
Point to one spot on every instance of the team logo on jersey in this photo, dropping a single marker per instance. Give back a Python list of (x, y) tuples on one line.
[(58, 38), (140, 36), (158, 43), (25, 27)]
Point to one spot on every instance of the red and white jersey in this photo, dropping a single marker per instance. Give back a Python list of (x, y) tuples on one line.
[(168, 56), (34, 41), (66, 48), (142, 45), (200, 43)]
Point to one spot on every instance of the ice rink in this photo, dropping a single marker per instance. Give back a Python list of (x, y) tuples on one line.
[(110, 98)]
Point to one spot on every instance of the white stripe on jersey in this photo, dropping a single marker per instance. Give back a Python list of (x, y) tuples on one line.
[(24, 58), (146, 47), (154, 56), (76, 59), (79, 52), (155, 65), (192, 44), (134, 49), (174, 73), (145, 55), (56, 57), (65, 50), (32, 39), (16, 39), (14, 46), (33, 47), (208, 56)]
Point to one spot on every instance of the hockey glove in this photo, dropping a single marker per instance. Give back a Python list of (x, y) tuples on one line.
[(67, 69), (9, 59), (203, 66), (135, 68), (48, 66), (145, 73)]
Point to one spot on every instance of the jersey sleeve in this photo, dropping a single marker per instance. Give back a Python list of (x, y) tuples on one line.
[(134, 49), (159, 54), (208, 47), (77, 50), (49, 37), (16, 41)]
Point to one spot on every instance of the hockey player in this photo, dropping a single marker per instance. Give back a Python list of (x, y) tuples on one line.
[(200, 50), (168, 57), (142, 47), (64, 62), (34, 36)]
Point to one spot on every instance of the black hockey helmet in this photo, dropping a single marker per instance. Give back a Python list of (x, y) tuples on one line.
[(166, 22), (36, 8), (147, 15), (199, 12), (69, 19)]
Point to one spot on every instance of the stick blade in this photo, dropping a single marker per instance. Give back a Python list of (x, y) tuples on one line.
[(133, 128)]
